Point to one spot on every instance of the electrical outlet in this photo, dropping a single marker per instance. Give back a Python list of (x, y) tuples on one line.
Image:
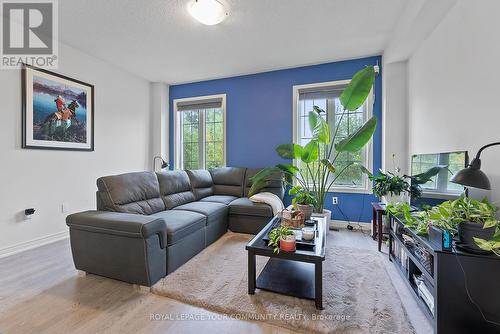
[(335, 200)]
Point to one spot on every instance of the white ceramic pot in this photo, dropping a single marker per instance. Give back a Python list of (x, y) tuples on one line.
[(326, 213), (401, 198)]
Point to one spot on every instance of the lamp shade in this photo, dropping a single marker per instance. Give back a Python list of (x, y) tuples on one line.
[(164, 164), (472, 177)]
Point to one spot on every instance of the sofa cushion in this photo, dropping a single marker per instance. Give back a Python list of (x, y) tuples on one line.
[(224, 199), (244, 206), (130, 193), (181, 223), (213, 211), (274, 185), (201, 183), (175, 188), (228, 181)]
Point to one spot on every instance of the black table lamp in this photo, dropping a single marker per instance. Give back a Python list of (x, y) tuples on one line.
[(164, 164), (472, 175)]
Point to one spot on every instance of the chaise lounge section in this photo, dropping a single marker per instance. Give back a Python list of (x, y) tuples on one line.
[(148, 224)]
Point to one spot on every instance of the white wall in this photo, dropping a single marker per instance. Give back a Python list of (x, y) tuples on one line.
[(45, 179), (159, 121), (454, 87), (395, 117)]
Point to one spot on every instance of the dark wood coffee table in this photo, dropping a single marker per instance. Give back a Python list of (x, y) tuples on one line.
[(298, 274)]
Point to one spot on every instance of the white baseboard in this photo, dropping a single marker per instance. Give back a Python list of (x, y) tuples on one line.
[(342, 224), (24, 246)]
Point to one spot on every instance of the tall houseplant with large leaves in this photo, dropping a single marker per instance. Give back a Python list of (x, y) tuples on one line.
[(318, 157)]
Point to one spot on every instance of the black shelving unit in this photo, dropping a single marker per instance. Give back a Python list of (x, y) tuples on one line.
[(409, 264), (443, 274)]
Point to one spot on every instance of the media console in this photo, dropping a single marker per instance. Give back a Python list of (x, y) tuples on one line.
[(442, 281)]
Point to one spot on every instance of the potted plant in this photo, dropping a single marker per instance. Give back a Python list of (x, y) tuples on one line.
[(473, 221), (393, 188), (410, 220), (476, 221), (316, 171), (492, 244), (303, 201), (282, 238), (389, 187)]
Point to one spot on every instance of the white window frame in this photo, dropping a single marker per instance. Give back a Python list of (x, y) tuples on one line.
[(367, 188), (178, 164)]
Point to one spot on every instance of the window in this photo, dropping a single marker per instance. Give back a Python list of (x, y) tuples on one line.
[(440, 184), (326, 97), (200, 132)]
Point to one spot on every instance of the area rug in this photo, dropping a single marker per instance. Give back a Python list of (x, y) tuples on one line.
[(358, 295)]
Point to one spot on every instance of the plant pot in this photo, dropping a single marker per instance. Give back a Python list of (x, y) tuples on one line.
[(401, 198), (306, 209), (468, 231), (288, 244), (326, 213)]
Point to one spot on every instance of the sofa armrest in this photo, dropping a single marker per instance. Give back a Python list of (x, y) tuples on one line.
[(121, 224)]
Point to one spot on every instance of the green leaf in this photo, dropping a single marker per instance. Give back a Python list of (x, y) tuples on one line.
[(496, 236), (329, 165), (358, 139), (444, 213), (363, 169), (294, 190), (310, 152), (426, 176), (264, 173), (490, 223), (289, 171), (319, 127), (355, 94), (287, 168), (483, 244), (257, 187), (259, 180), (289, 151)]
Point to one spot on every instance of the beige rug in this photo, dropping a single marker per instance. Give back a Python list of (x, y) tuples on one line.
[(358, 295)]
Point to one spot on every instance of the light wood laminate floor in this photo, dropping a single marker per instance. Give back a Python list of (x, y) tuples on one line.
[(41, 292)]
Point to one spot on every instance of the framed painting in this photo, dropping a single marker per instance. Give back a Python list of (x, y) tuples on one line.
[(58, 111)]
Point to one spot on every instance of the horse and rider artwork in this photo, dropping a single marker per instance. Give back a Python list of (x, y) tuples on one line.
[(58, 112)]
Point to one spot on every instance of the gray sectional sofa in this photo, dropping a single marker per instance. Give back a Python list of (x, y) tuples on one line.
[(148, 224)]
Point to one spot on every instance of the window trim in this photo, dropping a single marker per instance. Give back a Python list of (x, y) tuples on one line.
[(367, 189), (177, 132)]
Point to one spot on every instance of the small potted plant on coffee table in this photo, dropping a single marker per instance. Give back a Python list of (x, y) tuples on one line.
[(303, 201), (282, 238)]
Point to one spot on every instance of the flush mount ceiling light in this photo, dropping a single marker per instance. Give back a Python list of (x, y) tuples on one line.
[(209, 12)]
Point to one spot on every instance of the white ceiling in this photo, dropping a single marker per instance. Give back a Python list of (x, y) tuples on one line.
[(159, 41)]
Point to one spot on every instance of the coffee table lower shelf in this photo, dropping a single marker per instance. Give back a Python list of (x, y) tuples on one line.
[(288, 277), (298, 274)]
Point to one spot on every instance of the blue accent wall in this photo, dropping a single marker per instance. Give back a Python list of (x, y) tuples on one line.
[(259, 118)]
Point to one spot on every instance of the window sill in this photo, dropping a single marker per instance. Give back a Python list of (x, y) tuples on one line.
[(350, 190), (437, 195)]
